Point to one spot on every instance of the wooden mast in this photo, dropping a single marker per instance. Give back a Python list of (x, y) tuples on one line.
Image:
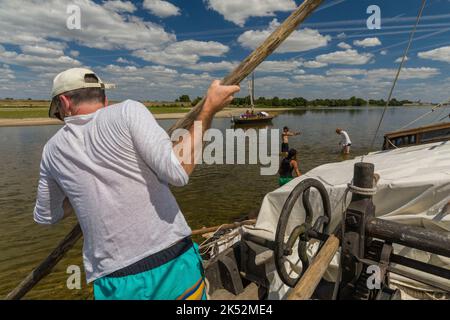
[(235, 77), (251, 89)]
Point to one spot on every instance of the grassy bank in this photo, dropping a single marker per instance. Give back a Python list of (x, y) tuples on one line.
[(40, 112), (31, 109), (23, 113)]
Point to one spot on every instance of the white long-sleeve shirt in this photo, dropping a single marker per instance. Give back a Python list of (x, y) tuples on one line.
[(114, 166), (345, 139)]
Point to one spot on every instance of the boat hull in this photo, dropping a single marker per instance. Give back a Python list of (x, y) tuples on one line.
[(255, 120)]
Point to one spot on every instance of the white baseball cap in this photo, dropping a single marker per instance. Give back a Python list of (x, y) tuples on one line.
[(74, 79)]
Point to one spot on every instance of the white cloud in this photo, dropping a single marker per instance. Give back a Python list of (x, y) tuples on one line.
[(360, 80), (346, 72), (36, 62), (162, 9), (406, 73), (7, 74), (41, 51), (214, 66), (74, 53), (238, 11), (280, 66), (399, 59), (320, 80), (154, 82), (383, 52), (202, 48), (184, 53), (298, 41), (120, 6), (368, 42), (102, 28), (314, 64), (124, 61), (348, 57), (439, 54), (344, 46)]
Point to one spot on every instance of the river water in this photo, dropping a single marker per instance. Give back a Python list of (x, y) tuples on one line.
[(216, 194)]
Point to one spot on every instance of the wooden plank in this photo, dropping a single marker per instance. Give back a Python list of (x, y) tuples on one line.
[(308, 283), (423, 129)]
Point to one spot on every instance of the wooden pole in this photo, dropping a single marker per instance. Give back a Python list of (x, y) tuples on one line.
[(70, 240), (47, 265), (311, 278), (240, 73), (256, 57)]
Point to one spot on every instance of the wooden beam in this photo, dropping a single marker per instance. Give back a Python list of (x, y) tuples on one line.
[(256, 57), (308, 283)]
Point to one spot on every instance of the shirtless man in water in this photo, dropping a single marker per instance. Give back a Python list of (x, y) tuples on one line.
[(285, 138)]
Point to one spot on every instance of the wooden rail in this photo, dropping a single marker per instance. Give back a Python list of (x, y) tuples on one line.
[(310, 280)]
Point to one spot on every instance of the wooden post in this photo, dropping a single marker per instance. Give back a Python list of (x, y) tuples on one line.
[(47, 265), (311, 278), (240, 73), (256, 57)]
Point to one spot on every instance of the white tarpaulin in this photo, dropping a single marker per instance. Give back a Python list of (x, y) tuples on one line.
[(413, 189)]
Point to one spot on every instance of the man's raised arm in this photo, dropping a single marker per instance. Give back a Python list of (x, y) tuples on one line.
[(217, 97)]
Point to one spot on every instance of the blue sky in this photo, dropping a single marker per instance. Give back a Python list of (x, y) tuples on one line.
[(159, 50)]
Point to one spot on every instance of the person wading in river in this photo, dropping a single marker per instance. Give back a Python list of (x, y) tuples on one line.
[(345, 142), (113, 165), (287, 167), (285, 139)]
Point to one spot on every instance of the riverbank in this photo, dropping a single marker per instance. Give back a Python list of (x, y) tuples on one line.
[(41, 121)]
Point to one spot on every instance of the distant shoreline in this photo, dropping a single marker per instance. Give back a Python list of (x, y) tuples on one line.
[(227, 113)]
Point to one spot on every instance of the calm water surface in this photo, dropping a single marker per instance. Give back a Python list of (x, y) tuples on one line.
[(216, 194)]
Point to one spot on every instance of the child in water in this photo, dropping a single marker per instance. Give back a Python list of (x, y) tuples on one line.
[(288, 166)]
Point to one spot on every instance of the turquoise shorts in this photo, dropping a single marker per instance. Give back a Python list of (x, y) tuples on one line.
[(179, 279)]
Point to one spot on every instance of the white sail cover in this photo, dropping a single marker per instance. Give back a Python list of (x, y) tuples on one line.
[(414, 189)]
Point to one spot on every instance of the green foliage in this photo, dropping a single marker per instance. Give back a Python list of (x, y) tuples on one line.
[(302, 102), (184, 98)]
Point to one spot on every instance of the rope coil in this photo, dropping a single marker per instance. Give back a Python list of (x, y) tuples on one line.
[(362, 191)]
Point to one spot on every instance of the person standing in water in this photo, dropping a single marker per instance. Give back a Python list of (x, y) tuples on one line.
[(287, 167), (285, 139), (345, 142)]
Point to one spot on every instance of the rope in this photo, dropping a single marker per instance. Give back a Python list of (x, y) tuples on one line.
[(447, 116), (426, 114), (390, 142), (362, 191), (398, 73)]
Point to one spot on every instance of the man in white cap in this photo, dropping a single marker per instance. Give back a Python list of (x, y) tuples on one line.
[(113, 166)]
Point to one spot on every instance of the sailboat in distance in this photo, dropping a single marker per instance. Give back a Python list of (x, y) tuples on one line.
[(250, 117)]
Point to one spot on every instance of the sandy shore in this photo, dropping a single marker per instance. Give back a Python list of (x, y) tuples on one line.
[(227, 113)]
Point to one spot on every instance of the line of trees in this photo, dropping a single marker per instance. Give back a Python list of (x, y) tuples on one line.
[(302, 102)]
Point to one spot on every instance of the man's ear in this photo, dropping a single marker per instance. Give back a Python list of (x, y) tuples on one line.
[(65, 104)]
